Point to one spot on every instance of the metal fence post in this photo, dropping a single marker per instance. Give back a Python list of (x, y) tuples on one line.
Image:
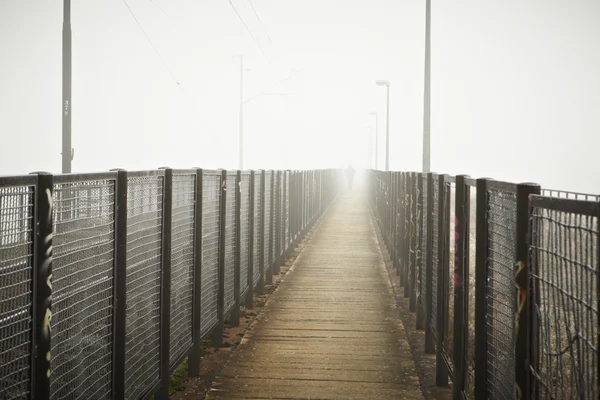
[(412, 277), (429, 334), (278, 227), (235, 312), (271, 238), (481, 278), (441, 330), (461, 281), (120, 288), (196, 353), (217, 336), (165, 292), (523, 350), (248, 299), (42, 286), (263, 257), (419, 250)]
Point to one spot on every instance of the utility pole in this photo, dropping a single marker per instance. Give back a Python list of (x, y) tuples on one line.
[(427, 97), (241, 134), (67, 150), (387, 131)]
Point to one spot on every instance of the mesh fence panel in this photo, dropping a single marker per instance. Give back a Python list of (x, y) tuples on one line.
[(422, 263), (564, 265), (434, 251), (287, 210), (244, 231), (268, 225), (258, 232), (471, 293), (211, 197), (449, 221), (182, 264), (282, 213), (144, 233), (82, 289), (16, 268), (230, 242), (500, 291), (274, 219)]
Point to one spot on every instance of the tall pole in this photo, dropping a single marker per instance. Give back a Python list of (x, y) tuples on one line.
[(427, 105), (67, 152), (241, 134), (387, 131)]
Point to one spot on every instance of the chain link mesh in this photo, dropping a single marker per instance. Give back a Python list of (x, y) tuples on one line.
[(434, 252), (564, 268), (211, 197), (16, 269), (82, 289), (230, 242), (244, 232), (267, 233), (500, 313), (258, 232), (182, 264), (274, 219), (282, 213), (422, 262), (144, 252), (287, 210)]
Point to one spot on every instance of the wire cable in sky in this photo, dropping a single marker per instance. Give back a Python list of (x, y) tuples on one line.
[(150, 41), (258, 18), (249, 32), (160, 8), (273, 87)]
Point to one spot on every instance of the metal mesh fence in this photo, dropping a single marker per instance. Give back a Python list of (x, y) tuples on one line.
[(268, 225), (182, 264), (275, 217), (563, 194), (282, 213), (258, 231), (422, 262), (287, 210), (144, 252), (230, 242), (211, 197), (500, 285), (82, 289), (449, 221), (564, 268), (16, 269), (244, 231), (434, 251), (472, 235)]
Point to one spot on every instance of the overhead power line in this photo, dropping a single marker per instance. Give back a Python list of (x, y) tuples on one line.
[(150, 41), (273, 87), (248, 30), (259, 20)]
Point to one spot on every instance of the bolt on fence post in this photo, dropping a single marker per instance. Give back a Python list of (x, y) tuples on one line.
[(429, 342), (441, 330), (260, 288), (217, 336), (120, 289), (42, 231), (165, 284), (195, 354), (461, 283), (421, 259), (235, 313), (523, 350), (481, 278), (251, 266)]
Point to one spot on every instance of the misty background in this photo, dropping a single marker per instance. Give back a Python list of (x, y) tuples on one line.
[(515, 85)]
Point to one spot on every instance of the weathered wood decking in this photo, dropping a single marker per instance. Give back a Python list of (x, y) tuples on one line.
[(330, 331)]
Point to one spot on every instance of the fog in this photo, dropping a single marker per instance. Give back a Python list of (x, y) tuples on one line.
[(515, 85)]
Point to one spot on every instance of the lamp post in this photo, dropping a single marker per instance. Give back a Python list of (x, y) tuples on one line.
[(387, 124), (427, 96), (376, 136), (67, 150)]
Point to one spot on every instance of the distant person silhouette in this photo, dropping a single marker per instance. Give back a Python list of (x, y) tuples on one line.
[(350, 175)]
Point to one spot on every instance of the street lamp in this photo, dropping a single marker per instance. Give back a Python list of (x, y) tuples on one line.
[(387, 124), (376, 135), (427, 96)]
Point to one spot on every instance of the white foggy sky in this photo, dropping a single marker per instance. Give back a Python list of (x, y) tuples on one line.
[(515, 85)]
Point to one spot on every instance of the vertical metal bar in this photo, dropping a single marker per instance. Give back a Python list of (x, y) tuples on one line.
[(165, 284), (195, 354), (461, 282), (523, 348), (419, 250), (217, 336), (444, 200), (248, 299), (235, 312), (120, 289), (278, 222), (260, 288), (481, 278), (412, 256), (67, 151), (429, 339), (42, 286), (271, 238)]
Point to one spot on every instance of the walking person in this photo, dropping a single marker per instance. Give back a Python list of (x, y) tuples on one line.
[(350, 175)]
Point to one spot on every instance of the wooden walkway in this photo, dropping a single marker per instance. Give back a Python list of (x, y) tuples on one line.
[(330, 331)]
